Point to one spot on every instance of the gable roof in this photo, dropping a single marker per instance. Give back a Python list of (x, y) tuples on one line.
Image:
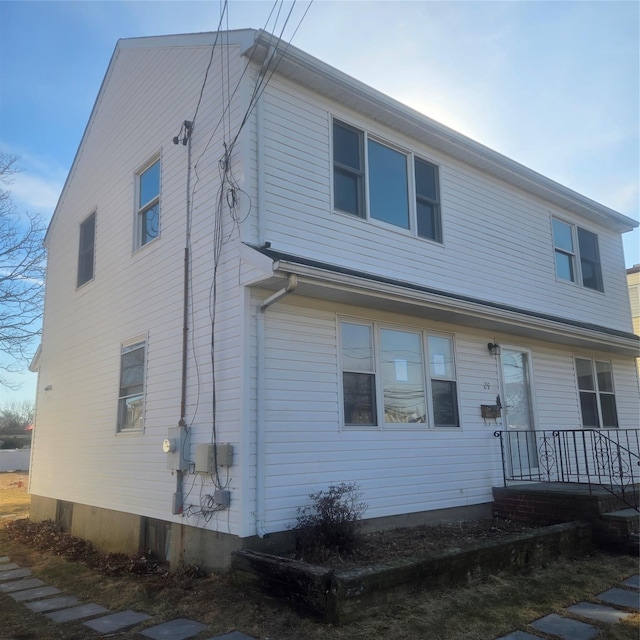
[(312, 73)]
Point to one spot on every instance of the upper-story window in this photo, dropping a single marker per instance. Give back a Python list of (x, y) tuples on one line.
[(148, 204), (374, 181), (575, 246), (86, 250), (131, 395), (397, 377)]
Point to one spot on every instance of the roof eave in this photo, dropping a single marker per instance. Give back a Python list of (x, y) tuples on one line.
[(320, 77)]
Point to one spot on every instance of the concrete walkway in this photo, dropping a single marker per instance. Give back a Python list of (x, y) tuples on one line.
[(577, 622), (583, 621)]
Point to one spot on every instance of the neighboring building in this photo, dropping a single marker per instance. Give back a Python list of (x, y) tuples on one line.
[(633, 280), (318, 276)]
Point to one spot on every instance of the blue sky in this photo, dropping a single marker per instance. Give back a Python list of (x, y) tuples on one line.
[(551, 84)]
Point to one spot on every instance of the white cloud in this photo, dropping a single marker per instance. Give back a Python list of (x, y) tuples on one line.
[(36, 194)]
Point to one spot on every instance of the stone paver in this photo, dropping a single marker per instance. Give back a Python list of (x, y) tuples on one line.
[(77, 613), (117, 621), (621, 598), (565, 628), (7, 566), (51, 604), (238, 635), (599, 612), (34, 594), (20, 585), (519, 635), (179, 629), (633, 582), (13, 574)]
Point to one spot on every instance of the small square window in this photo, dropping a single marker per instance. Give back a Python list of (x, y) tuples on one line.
[(148, 204)]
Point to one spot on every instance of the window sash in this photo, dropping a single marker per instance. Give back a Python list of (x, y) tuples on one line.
[(131, 394), (392, 195), (394, 376), (148, 204), (589, 260), (566, 237), (597, 393), (86, 250)]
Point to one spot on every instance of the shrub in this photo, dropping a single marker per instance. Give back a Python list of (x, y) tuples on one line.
[(331, 524)]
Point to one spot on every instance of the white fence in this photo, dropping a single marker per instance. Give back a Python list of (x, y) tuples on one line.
[(14, 459)]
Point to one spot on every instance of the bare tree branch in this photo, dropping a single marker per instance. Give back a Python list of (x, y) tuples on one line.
[(22, 273)]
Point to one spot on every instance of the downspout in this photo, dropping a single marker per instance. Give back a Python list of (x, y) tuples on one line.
[(290, 287)]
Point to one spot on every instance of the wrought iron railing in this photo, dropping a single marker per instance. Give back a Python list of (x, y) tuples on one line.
[(608, 458)]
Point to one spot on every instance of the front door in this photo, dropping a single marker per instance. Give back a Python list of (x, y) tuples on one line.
[(517, 406)]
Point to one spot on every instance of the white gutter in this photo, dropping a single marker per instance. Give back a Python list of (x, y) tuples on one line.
[(290, 287)]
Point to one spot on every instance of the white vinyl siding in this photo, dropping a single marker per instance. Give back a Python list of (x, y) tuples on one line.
[(136, 293), (495, 237)]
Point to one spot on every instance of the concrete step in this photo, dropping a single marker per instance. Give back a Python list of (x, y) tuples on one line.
[(629, 516), (618, 530)]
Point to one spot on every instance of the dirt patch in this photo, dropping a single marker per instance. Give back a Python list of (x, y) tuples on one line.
[(385, 546), (14, 496)]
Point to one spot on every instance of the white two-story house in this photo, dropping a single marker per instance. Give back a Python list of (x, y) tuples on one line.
[(266, 278)]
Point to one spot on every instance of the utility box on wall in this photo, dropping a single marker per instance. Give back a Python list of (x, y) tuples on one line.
[(177, 446), (208, 454)]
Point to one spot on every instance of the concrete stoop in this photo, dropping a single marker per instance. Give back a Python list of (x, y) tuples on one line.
[(615, 524)]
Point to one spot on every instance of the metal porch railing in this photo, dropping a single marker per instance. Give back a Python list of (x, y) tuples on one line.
[(608, 458)]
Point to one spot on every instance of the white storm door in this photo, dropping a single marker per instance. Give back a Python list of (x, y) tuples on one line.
[(517, 406)]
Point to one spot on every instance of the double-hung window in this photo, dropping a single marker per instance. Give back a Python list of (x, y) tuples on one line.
[(148, 204), (375, 181), (597, 395), (131, 395), (394, 376), (86, 250), (575, 246)]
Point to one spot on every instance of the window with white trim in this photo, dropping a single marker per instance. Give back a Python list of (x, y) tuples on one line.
[(375, 181), (597, 394), (575, 246), (86, 250), (132, 378), (393, 376), (148, 204)]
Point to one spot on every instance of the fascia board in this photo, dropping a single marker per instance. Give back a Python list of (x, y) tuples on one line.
[(461, 311), (325, 79)]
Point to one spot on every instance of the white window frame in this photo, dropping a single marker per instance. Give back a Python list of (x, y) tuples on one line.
[(84, 252), (142, 208), (364, 211), (596, 391), (575, 255), (424, 334), (128, 347)]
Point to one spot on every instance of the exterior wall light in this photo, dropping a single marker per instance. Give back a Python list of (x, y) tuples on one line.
[(494, 348)]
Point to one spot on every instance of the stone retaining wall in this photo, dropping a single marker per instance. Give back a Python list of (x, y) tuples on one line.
[(338, 597)]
